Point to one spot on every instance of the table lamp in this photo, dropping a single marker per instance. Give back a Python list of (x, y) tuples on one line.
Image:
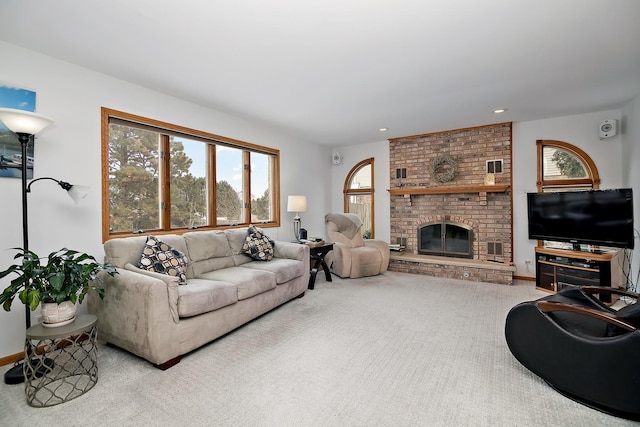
[(297, 204)]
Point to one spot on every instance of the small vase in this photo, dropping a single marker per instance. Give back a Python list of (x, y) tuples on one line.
[(54, 314)]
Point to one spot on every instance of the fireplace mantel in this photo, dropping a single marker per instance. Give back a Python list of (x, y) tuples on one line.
[(400, 191)]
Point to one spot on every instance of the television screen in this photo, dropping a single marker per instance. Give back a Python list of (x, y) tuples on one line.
[(595, 217)]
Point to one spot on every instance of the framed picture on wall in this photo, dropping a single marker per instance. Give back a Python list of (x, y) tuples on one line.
[(10, 150)]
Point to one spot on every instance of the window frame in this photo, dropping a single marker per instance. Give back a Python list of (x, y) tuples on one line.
[(348, 191), (591, 181), (166, 130)]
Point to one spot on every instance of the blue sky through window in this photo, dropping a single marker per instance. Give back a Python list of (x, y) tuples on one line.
[(228, 166)]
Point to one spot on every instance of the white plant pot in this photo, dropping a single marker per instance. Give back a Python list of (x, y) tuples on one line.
[(54, 314)]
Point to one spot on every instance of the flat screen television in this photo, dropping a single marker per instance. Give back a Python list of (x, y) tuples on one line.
[(593, 217)]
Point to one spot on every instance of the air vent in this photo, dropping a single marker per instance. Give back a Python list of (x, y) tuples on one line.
[(494, 248), (494, 166)]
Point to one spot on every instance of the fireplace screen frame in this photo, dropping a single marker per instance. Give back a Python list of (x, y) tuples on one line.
[(468, 253)]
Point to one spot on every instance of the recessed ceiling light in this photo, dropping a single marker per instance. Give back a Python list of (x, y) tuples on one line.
[(499, 110), (384, 129)]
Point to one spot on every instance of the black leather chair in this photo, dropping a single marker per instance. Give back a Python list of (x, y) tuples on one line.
[(582, 348)]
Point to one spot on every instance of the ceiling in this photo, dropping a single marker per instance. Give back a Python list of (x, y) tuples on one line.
[(334, 72)]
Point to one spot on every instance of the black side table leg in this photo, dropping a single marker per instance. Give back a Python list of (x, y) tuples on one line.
[(312, 278), (327, 272)]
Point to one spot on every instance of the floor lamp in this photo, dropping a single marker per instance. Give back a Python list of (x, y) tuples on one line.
[(26, 125)]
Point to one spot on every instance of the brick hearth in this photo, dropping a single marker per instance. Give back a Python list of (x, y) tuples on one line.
[(466, 199)]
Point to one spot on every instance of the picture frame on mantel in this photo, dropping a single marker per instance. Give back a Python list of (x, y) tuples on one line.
[(10, 150)]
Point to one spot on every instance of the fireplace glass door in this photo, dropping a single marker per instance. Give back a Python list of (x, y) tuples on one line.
[(445, 239)]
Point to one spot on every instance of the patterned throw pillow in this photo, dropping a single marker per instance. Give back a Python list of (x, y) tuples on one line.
[(258, 245), (161, 258)]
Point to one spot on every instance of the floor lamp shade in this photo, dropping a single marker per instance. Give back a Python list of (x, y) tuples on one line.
[(21, 121)]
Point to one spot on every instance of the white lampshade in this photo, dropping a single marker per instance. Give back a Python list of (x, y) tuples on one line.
[(78, 192), (21, 121), (297, 204)]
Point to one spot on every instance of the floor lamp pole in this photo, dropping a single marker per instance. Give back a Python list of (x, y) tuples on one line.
[(24, 139), (15, 375)]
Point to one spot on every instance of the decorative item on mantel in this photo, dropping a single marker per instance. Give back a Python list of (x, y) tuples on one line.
[(444, 168), (490, 179)]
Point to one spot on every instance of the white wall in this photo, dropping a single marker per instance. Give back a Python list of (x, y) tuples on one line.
[(579, 130), (351, 155), (70, 150), (631, 171)]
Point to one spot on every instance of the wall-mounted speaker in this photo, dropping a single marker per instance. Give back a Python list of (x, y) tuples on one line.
[(608, 128), (336, 158)]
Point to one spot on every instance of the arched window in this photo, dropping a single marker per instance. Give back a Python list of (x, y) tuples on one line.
[(564, 167), (358, 195)]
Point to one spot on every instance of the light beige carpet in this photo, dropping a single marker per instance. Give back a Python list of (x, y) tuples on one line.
[(392, 350)]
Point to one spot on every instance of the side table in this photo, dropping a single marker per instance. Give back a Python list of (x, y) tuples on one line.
[(60, 362), (318, 252)]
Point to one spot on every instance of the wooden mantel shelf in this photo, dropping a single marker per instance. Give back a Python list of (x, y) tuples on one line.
[(399, 191)]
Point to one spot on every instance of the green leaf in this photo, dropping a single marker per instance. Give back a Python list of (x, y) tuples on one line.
[(7, 304), (57, 281), (34, 299)]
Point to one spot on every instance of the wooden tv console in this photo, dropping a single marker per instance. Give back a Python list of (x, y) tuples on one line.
[(559, 268)]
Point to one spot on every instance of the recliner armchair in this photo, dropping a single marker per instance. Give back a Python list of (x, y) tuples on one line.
[(352, 256), (582, 348)]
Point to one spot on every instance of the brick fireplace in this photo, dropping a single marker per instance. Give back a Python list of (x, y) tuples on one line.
[(441, 180)]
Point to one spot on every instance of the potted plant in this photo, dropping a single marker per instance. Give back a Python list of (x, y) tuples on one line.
[(59, 283)]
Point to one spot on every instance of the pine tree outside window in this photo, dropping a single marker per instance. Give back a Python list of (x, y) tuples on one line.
[(163, 178)]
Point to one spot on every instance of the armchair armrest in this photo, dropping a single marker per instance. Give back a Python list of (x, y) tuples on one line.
[(339, 259), (383, 247), (590, 290), (552, 306)]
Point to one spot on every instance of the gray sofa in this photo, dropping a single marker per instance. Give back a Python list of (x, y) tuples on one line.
[(152, 316)]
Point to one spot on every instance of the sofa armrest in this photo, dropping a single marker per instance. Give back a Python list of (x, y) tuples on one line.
[(291, 251), (172, 287), (134, 312)]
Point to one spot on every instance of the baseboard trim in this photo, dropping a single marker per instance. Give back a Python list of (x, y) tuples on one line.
[(8, 360), (529, 279)]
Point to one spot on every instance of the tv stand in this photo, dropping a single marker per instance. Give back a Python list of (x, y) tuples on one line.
[(557, 269)]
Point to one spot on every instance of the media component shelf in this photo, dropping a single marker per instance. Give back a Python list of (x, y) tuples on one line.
[(557, 269)]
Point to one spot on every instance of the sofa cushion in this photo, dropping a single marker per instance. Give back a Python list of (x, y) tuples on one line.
[(258, 245), (159, 257), (236, 237), (250, 282), (120, 251), (202, 296), (284, 269), (208, 250)]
